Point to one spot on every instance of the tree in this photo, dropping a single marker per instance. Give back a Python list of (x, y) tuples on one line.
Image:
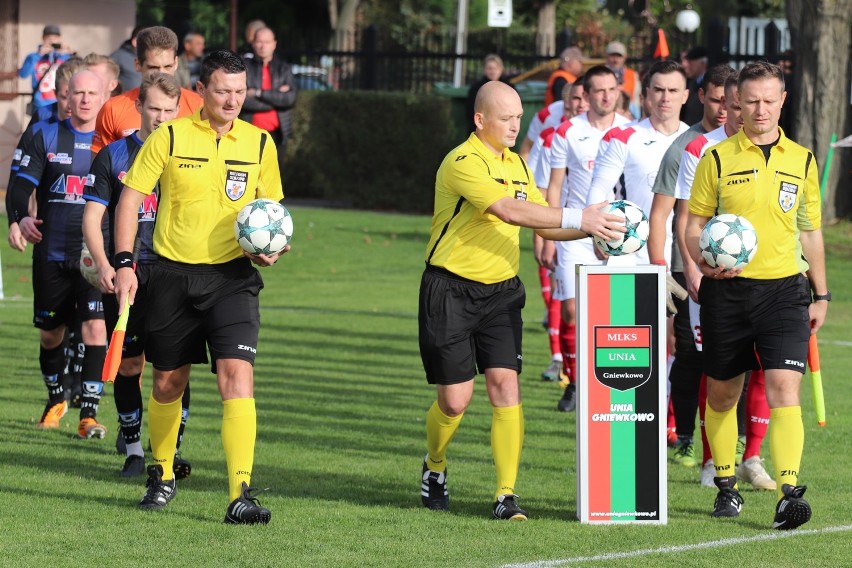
[(821, 39)]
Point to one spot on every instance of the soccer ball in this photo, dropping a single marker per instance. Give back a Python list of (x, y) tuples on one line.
[(637, 230), (264, 226), (88, 268), (728, 240)]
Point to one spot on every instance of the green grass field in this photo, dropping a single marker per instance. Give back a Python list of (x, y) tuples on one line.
[(341, 402)]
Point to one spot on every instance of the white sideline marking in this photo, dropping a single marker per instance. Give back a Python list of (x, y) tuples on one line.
[(680, 548), (843, 343)]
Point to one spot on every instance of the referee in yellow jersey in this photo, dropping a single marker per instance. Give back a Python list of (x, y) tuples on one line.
[(769, 306), (470, 295), (203, 289)]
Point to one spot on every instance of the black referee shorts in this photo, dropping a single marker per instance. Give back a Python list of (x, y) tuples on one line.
[(467, 325), (742, 315), (134, 338), (190, 305), (62, 296)]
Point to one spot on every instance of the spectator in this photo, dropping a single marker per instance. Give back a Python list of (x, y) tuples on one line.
[(125, 56), (570, 67), (41, 66), (251, 28), (628, 79), (189, 62), (492, 70), (271, 90), (696, 66)]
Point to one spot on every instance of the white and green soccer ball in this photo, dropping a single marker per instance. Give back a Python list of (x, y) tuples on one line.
[(728, 240), (264, 226), (637, 230)]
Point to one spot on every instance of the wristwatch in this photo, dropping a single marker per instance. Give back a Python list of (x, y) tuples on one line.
[(825, 297)]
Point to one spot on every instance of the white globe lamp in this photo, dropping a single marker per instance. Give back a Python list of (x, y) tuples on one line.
[(688, 20)]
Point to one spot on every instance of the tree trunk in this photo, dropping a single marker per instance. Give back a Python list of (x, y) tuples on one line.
[(821, 40), (546, 44)]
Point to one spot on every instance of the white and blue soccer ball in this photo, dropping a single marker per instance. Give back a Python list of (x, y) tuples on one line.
[(264, 226), (637, 230), (728, 240)]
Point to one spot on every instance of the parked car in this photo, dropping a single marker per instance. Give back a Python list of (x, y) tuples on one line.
[(310, 78)]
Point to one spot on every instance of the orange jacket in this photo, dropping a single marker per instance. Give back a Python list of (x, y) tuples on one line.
[(549, 97)]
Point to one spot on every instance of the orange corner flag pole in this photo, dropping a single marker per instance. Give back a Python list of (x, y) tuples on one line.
[(662, 49), (116, 341), (816, 379)]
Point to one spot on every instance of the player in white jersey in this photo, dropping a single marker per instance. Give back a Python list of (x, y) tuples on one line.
[(551, 115), (637, 149), (573, 148), (573, 103)]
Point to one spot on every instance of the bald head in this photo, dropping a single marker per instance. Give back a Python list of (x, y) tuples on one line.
[(494, 92), (497, 115)]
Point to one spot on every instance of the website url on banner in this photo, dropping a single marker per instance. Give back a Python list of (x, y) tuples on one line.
[(624, 514)]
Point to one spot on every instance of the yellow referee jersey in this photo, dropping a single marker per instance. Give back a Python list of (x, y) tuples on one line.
[(203, 185), (780, 198), (464, 239)]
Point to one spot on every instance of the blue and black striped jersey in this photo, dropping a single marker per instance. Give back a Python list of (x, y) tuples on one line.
[(104, 186), (56, 162)]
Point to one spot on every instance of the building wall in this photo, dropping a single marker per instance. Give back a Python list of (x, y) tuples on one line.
[(87, 26)]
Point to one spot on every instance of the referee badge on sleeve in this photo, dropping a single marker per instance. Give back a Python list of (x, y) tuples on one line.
[(787, 195), (235, 184)]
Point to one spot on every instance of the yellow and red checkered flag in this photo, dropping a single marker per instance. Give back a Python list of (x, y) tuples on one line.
[(816, 379), (116, 341)]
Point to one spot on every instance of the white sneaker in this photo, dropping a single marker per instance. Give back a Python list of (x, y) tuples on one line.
[(753, 472), (708, 472)]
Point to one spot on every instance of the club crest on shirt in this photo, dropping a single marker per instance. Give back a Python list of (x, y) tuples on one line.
[(787, 195), (235, 184)]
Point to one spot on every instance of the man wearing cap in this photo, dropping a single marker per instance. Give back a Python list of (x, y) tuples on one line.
[(628, 79), (42, 64), (696, 67), (570, 67)]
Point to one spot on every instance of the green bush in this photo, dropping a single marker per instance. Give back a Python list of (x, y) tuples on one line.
[(368, 150)]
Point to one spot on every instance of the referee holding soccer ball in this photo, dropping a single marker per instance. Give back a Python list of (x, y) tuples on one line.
[(470, 294), (766, 307), (203, 289)]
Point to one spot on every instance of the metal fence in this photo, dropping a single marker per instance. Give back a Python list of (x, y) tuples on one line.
[(374, 58)]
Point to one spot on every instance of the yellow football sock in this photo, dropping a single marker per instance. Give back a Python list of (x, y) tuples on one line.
[(786, 443), (507, 439), (721, 428), (440, 430), (163, 425), (239, 429)]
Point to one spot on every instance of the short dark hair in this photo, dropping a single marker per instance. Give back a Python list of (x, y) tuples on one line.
[(732, 81), (718, 75), (596, 71), (760, 70), (663, 67), (228, 61), (155, 37)]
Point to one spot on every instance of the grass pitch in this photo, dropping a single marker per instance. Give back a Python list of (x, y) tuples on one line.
[(341, 402)]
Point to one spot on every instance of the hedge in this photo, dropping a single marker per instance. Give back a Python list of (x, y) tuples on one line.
[(368, 150)]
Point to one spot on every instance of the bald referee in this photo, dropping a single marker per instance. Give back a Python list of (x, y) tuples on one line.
[(202, 291), (470, 294)]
